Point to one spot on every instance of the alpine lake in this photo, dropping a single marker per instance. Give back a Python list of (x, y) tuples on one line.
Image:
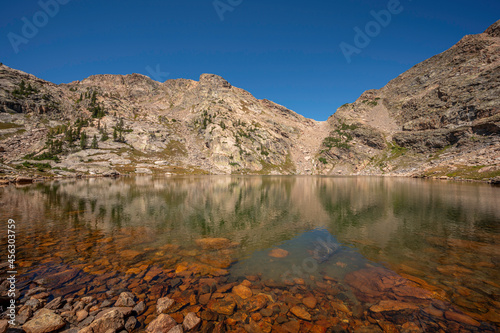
[(260, 253)]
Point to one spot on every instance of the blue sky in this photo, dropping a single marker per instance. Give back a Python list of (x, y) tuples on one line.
[(287, 51)]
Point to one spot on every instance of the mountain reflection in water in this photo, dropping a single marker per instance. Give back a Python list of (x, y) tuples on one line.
[(443, 236)]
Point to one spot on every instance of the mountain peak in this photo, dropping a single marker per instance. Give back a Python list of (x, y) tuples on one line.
[(214, 80), (494, 29)]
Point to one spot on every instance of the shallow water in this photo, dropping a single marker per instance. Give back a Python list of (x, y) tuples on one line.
[(444, 236)]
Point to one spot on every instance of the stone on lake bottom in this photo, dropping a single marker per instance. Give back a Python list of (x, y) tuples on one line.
[(163, 305), (310, 302), (461, 318), (376, 283), (300, 313), (222, 306), (242, 291), (390, 305), (292, 326), (140, 308), (255, 303), (278, 253), (215, 243), (191, 321)]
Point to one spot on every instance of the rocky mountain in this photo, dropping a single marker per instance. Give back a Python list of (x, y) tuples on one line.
[(143, 126), (440, 118)]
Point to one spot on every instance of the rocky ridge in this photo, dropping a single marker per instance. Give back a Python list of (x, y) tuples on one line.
[(438, 119)]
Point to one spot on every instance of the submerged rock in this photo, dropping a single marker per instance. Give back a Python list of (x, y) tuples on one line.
[(323, 250), (242, 291), (310, 302), (301, 313), (377, 283), (163, 305), (215, 243), (390, 305), (278, 253), (223, 306), (191, 321)]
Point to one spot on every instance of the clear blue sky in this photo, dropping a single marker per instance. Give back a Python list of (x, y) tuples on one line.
[(283, 50)]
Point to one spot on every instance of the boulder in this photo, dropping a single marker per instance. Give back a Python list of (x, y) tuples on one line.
[(125, 299), (44, 321), (111, 321), (162, 324)]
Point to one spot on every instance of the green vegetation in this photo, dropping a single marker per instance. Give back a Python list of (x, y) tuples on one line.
[(323, 160), (263, 150), (24, 90), (371, 103), (7, 135), (206, 119), (96, 109), (118, 131), (439, 152), (9, 125), (94, 144), (104, 133), (397, 151), (175, 148), (83, 140), (476, 172), (39, 166), (286, 167), (342, 137)]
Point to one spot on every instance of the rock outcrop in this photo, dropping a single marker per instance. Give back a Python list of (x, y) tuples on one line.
[(439, 118)]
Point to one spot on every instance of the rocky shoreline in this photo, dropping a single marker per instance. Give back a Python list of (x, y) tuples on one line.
[(29, 179)]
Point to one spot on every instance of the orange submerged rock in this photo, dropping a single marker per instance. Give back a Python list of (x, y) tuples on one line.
[(278, 253)]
